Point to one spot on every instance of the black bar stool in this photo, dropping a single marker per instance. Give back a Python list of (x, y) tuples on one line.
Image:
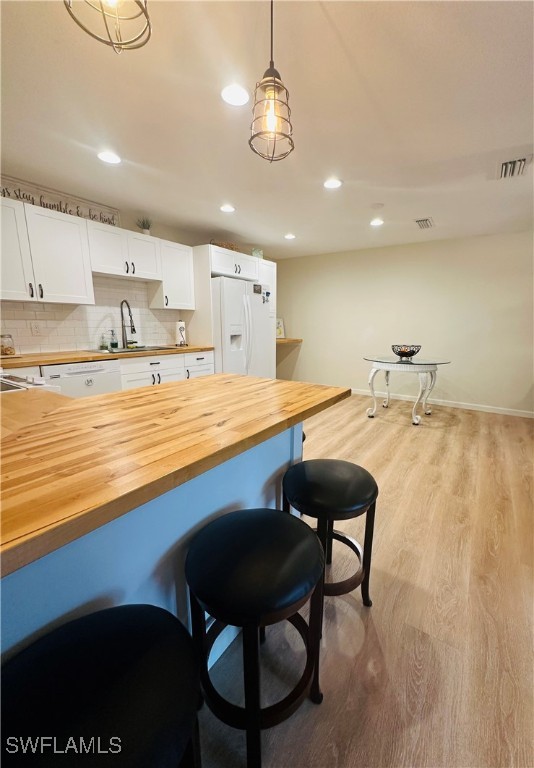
[(119, 687), (329, 490), (250, 569)]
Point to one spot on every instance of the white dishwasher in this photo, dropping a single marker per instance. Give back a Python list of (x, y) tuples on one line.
[(84, 379)]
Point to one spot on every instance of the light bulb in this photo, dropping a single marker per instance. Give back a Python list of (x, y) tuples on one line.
[(271, 122)]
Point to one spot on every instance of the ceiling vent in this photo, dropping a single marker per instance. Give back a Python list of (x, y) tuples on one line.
[(511, 168), (424, 223)]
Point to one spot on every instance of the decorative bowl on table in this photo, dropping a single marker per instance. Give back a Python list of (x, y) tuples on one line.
[(405, 350)]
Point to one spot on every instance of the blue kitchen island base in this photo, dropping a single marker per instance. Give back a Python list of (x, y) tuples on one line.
[(139, 557)]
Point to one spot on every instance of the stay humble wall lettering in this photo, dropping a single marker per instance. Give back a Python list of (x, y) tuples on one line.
[(26, 192)]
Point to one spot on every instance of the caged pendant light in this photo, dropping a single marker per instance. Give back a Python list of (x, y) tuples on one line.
[(271, 117), (121, 24)]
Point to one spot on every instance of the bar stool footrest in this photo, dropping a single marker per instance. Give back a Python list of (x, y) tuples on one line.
[(235, 715), (347, 585)]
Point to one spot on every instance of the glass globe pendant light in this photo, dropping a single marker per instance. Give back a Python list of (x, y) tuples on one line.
[(121, 24), (271, 127)]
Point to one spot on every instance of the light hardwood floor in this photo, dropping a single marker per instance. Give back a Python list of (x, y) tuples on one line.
[(439, 672)]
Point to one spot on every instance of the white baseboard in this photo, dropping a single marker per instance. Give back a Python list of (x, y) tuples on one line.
[(451, 404)]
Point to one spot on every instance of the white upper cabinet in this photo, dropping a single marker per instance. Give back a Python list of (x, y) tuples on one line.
[(144, 254), (18, 280), (177, 289), (116, 251), (232, 264), (58, 268), (108, 248)]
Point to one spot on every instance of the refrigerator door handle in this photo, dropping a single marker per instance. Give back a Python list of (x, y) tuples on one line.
[(249, 341), (246, 331)]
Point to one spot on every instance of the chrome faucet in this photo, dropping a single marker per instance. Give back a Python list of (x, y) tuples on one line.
[(123, 324)]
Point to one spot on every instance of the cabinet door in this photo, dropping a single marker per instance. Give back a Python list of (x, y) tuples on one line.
[(108, 249), (177, 290), (232, 264), (163, 376), (144, 256), (267, 278), (199, 370), (18, 281), (247, 266), (222, 262), (60, 254)]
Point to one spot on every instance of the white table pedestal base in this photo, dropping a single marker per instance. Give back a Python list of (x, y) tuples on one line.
[(427, 374)]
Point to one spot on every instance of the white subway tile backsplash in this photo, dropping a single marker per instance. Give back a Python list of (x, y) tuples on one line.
[(65, 326)]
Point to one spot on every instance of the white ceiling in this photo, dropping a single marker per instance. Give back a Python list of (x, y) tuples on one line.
[(412, 104)]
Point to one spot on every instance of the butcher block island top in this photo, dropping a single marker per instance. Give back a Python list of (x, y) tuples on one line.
[(93, 459)]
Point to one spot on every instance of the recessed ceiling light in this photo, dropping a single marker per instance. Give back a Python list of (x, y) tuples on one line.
[(235, 95), (376, 222), (290, 236), (332, 183), (227, 208), (109, 157)]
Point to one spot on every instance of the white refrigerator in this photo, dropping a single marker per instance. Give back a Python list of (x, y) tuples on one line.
[(244, 332)]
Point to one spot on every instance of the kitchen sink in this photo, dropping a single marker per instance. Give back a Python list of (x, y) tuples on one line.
[(123, 351)]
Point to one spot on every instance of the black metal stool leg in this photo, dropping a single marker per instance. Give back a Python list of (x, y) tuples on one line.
[(251, 672), (285, 504), (367, 550), (329, 540), (198, 632), (322, 533), (315, 633), (191, 757)]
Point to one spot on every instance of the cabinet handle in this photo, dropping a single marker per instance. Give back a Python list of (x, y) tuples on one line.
[(133, 268), (166, 301), (156, 363), (153, 378), (188, 376), (31, 290), (41, 292), (239, 269), (127, 267), (235, 269), (159, 378), (200, 358)]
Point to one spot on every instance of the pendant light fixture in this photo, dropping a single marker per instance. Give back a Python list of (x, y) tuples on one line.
[(271, 117), (121, 24)]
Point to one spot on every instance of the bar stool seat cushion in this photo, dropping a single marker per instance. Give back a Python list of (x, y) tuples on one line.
[(252, 564), (128, 672), (335, 489)]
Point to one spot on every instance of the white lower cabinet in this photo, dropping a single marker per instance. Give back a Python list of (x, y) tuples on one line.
[(151, 371), (198, 364)]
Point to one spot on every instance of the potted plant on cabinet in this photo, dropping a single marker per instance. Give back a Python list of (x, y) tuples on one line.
[(144, 223)]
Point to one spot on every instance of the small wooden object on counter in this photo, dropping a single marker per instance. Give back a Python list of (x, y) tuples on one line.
[(97, 458)]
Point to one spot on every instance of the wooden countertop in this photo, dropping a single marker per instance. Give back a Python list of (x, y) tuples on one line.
[(20, 409), (283, 342), (96, 458), (51, 358)]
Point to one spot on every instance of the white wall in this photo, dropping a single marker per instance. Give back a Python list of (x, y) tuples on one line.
[(468, 300), (73, 327)]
